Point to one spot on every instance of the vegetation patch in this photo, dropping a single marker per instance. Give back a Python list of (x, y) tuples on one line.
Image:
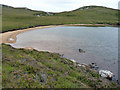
[(36, 69), (21, 18)]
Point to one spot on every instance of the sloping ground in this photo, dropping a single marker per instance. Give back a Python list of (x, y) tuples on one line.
[(33, 69), (19, 18)]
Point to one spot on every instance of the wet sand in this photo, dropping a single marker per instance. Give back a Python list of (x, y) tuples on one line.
[(10, 36)]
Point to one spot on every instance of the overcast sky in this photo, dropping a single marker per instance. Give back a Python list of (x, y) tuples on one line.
[(59, 5)]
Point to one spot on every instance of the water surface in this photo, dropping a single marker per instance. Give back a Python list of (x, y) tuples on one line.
[(99, 43)]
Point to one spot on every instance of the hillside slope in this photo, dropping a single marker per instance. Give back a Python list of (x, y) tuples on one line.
[(18, 18), (33, 69)]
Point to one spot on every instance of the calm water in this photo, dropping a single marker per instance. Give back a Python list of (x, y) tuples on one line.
[(99, 43)]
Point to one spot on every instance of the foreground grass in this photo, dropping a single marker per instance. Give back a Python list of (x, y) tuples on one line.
[(20, 18), (33, 69)]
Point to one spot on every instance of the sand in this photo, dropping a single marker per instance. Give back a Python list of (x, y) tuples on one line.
[(10, 36)]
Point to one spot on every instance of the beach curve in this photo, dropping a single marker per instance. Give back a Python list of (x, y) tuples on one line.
[(10, 36)]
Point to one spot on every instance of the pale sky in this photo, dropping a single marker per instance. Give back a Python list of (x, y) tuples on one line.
[(59, 5)]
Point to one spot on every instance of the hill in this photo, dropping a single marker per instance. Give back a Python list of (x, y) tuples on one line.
[(19, 18), (33, 69)]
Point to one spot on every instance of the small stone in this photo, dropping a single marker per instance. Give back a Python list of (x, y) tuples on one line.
[(11, 39)]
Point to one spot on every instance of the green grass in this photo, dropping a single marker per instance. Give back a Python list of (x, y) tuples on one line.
[(20, 18), (33, 69)]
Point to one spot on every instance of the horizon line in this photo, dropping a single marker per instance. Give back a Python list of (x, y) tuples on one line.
[(61, 11)]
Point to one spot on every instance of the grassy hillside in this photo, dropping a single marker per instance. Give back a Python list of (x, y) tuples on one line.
[(33, 69), (18, 18)]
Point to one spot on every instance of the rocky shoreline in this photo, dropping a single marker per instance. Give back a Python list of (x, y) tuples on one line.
[(33, 68), (93, 66)]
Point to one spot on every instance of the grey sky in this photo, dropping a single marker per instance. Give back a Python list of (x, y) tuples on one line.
[(59, 5)]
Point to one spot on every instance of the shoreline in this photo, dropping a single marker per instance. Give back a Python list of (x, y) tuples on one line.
[(5, 37), (10, 36), (85, 72), (75, 63)]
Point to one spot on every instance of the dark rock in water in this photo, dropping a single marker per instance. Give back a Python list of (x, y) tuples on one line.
[(81, 51), (94, 66)]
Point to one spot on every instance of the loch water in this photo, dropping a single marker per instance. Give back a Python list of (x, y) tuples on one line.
[(99, 43)]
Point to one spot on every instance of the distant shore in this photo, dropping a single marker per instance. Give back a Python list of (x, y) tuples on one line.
[(10, 36)]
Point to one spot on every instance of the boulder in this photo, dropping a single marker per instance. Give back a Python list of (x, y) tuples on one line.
[(106, 74), (81, 51)]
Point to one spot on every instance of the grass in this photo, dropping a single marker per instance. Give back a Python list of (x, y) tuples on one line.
[(20, 18), (33, 69)]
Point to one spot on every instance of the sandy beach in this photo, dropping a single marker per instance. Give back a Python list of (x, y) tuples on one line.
[(10, 36)]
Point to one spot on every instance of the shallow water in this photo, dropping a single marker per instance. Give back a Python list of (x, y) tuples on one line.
[(99, 43)]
